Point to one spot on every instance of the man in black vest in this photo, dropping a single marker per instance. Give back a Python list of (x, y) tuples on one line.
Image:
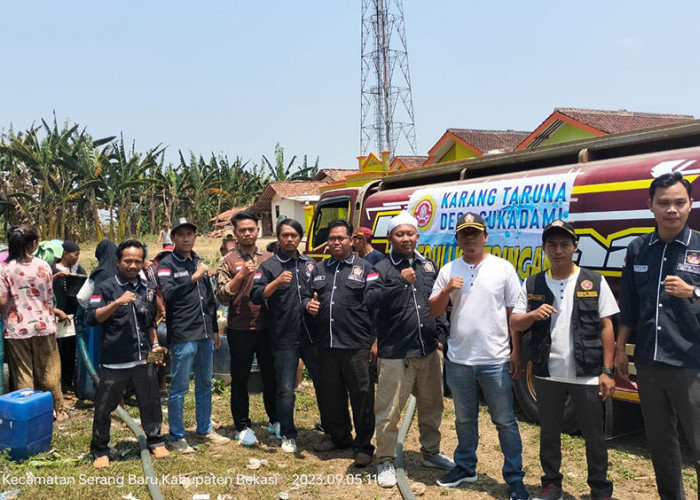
[(567, 311)]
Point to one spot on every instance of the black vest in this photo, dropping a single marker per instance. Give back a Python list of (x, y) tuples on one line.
[(585, 324)]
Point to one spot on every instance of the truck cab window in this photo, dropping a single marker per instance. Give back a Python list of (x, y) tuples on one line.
[(337, 208)]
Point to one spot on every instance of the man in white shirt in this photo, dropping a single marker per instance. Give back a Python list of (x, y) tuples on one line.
[(567, 311), (483, 290)]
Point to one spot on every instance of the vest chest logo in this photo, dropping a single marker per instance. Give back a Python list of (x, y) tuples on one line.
[(309, 267), (586, 284), (181, 274), (150, 295), (533, 296), (320, 277), (357, 273), (428, 267), (692, 257), (592, 293), (641, 269)]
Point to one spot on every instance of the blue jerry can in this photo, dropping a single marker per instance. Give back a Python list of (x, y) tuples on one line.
[(26, 422)]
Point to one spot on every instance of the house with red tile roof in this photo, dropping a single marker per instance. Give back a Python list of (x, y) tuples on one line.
[(570, 124), (286, 198), (460, 143), (407, 162), (333, 174)]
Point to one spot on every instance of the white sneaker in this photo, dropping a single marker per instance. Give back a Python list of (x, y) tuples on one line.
[(214, 438), (386, 475), (247, 437), (289, 445), (439, 461), (274, 429)]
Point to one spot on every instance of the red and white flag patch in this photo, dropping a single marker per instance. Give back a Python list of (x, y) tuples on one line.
[(163, 272), (95, 299), (372, 276), (257, 276)]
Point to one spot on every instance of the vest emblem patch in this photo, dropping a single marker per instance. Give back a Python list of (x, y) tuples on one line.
[(692, 257), (532, 296), (592, 293), (587, 284)]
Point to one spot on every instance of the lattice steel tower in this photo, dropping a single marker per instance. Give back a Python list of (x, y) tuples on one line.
[(386, 121)]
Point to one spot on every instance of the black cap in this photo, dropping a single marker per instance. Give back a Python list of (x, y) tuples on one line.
[(559, 226), (178, 223), (70, 246), (470, 220)]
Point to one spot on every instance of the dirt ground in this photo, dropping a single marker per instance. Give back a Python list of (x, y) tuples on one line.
[(225, 471)]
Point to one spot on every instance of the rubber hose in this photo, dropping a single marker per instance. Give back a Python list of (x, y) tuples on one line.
[(146, 460), (401, 478)]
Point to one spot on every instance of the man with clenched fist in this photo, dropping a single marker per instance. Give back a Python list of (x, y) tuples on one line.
[(279, 282), (408, 347), (247, 330), (568, 312), (336, 298), (483, 289)]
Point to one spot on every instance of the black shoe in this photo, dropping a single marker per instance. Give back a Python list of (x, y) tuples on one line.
[(457, 476)]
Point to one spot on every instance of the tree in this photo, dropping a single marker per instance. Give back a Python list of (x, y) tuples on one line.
[(281, 173)]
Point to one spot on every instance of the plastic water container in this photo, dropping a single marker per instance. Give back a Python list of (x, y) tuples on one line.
[(84, 386), (26, 422)]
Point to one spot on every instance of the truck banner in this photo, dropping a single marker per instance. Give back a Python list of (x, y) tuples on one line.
[(515, 212)]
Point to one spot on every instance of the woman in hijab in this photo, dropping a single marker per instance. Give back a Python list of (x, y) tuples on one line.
[(106, 253)]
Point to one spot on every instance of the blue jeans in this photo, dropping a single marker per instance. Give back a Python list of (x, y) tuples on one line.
[(286, 362), (496, 386), (186, 355)]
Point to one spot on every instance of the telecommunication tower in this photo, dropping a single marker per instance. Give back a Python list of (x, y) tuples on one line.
[(386, 122)]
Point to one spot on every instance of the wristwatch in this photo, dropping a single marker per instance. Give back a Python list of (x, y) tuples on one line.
[(608, 370), (696, 293)]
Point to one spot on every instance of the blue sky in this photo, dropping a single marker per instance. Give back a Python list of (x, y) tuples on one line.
[(238, 77)]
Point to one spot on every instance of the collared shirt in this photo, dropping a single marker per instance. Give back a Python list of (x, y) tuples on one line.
[(190, 307), (290, 325), (242, 313), (667, 327), (125, 335), (343, 320), (403, 323), (479, 333)]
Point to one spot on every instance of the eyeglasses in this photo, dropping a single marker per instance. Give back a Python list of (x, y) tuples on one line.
[(337, 239)]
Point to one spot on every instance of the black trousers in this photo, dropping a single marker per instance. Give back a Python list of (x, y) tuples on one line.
[(109, 393), (242, 345), (346, 372), (67, 350), (551, 397), (668, 394)]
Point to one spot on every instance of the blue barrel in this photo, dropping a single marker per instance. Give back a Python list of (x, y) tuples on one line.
[(84, 385), (26, 422)]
